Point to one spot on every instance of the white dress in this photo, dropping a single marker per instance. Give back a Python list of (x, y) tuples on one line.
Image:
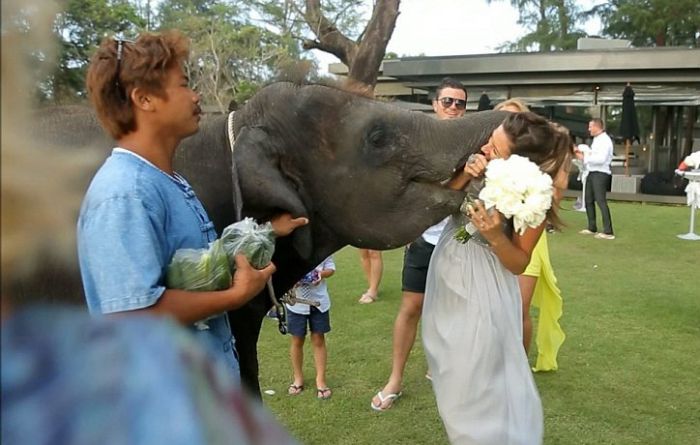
[(472, 333)]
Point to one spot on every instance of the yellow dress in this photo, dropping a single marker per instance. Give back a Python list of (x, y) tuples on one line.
[(547, 298)]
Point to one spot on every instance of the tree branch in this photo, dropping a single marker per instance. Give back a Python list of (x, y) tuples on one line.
[(329, 38)]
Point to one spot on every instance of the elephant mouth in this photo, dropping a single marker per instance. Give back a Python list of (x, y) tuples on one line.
[(435, 193), (433, 187), (438, 179)]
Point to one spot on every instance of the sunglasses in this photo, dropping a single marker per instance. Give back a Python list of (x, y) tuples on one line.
[(447, 102), (120, 55)]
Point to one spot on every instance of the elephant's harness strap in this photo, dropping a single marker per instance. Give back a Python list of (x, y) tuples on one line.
[(238, 207)]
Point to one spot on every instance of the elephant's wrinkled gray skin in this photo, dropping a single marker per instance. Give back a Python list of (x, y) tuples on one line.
[(365, 172)]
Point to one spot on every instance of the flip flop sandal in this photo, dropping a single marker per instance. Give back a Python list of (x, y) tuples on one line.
[(385, 402), (323, 393), (367, 298), (294, 390)]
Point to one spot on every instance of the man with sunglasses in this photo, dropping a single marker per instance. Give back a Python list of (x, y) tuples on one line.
[(450, 102), (450, 99)]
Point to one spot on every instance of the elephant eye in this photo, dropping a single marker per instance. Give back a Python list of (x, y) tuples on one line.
[(377, 136)]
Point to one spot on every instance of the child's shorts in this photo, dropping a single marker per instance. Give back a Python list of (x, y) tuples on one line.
[(319, 322)]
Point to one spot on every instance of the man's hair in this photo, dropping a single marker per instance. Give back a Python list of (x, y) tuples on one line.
[(449, 82), (515, 103), (119, 66), (546, 144), (599, 122)]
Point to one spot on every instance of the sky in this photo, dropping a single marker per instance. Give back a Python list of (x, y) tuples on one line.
[(454, 27)]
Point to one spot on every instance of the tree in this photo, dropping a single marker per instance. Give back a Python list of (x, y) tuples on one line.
[(334, 26), (364, 55), (79, 29), (231, 56), (651, 22), (552, 25)]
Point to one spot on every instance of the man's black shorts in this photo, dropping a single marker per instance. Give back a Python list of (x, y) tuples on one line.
[(415, 266)]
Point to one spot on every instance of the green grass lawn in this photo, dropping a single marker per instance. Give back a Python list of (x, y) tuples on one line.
[(629, 368)]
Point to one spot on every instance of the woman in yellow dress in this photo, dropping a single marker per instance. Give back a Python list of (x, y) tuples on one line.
[(538, 284)]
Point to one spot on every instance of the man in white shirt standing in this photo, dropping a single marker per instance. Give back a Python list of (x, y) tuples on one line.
[(596, 161)]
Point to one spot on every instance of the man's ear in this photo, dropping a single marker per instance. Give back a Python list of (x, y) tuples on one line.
[(141, 99)]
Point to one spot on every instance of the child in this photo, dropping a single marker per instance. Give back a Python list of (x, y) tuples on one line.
[(311, 287)]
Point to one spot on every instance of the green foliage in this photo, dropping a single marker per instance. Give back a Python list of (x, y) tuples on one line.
[(237, 45), (221, 46), (286, 18), (628, 373), (652, 22), (79, 29), (234, 52), (552, 25)]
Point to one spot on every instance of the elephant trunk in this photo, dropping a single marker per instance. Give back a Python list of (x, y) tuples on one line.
[(447, 144)]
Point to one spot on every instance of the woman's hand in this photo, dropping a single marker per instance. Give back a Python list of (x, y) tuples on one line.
[(489, 224), (475, 167), (514, 253), (284, 224)]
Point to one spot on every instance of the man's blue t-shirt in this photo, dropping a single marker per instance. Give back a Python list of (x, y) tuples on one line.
[(133, 219)]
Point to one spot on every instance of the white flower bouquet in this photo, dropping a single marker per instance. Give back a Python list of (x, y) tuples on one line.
[(518, 189)]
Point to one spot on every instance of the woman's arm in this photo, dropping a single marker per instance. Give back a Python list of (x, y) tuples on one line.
[(513, 253)]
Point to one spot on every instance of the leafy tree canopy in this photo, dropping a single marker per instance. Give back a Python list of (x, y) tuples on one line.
[(552, 25), (79, 28), (651, 22)]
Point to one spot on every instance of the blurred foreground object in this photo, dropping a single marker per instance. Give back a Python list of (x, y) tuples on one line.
[(67, 378), (125, 380)]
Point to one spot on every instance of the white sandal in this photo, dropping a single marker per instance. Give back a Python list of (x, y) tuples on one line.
[(367, 298), (390, 398)]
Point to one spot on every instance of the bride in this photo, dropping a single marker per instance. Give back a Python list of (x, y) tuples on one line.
[(472, 321)]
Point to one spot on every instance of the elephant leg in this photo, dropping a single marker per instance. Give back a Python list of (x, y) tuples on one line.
[(245, 325)]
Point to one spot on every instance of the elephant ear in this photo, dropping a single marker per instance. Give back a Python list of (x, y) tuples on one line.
[(266, 190)]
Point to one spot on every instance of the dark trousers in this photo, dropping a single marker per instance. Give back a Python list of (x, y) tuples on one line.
[(596, 187)]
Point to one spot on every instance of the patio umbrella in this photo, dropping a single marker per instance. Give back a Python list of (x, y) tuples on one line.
[(629, 125), (484, 103)]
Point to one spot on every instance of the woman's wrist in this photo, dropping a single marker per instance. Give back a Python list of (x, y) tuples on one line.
[(459, 181)]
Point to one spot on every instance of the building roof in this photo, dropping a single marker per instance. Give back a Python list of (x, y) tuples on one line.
[(659, 76)]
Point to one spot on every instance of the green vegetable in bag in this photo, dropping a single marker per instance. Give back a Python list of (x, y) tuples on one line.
[(200, 269), (212, 268), (255, 241)]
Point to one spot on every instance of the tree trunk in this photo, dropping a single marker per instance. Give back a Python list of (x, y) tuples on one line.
[(661, 38), (365, 67), (362, 58)]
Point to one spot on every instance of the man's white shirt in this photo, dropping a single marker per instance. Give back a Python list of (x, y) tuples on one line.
[(600, 154)]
